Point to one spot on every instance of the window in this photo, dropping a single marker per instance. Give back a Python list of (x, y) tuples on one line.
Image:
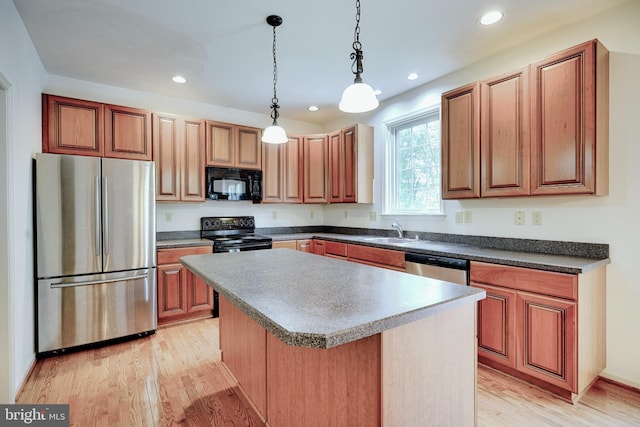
[(413, 165)]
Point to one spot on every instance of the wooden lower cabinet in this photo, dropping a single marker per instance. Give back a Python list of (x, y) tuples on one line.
[(378, 257), (547, 339), (497, 325), (304, 245), (544, 327), (181, 294)]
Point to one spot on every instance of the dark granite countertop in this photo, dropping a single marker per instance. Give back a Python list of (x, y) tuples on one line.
[(182, 243), (542, 261), (321, 302)]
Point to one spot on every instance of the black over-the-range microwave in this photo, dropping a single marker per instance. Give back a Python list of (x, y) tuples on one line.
[(234, 184)]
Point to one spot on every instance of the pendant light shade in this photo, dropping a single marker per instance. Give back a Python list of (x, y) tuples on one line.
[(274, 134), (358, 97)]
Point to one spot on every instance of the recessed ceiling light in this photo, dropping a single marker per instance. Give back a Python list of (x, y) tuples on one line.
[(491, 17), (413, 76), (313, 108), (179, 79), (377, 92)]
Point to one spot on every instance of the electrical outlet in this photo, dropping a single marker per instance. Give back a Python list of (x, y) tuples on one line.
[(459, 215), (536, 218), (311, 214), (168, 216), (274, 214), (373, 215), (519, 218), (346, 214), (468, 217)]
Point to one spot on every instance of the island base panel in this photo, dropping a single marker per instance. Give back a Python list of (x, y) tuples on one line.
[(429, 370), (339, 386)]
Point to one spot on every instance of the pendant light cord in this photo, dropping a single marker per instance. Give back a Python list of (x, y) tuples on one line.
[(357, 56), (274, 100)]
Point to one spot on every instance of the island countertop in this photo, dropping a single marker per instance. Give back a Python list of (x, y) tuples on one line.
[(313, 301)]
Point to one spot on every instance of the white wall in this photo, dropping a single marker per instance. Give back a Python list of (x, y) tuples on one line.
[(21, 71), (612, 219)]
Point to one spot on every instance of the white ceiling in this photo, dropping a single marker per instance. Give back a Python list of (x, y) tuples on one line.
[(224, 48)]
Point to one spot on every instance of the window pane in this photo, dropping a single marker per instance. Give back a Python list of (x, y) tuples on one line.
[(415, 171)]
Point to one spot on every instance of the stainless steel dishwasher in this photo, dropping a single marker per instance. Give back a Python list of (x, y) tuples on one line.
[(448, 269)]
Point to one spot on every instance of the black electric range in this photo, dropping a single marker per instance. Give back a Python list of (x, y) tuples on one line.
[(233, 234)]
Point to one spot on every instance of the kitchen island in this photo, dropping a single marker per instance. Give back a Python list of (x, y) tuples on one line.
[(319, 341)]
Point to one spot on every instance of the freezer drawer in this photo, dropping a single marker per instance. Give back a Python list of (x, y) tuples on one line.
[(80, 310)]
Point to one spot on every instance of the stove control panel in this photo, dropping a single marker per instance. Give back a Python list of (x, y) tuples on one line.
[(215, 223)]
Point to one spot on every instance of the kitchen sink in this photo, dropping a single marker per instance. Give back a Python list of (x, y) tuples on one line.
[(395, 240)]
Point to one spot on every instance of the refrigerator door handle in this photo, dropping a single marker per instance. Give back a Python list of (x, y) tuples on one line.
[(105, 196), (96, 282), (97, 212)]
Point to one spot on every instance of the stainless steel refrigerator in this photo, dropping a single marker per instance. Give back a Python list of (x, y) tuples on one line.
[(95, 250)]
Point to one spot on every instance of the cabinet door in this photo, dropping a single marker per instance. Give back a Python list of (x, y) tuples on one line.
[(127, 133), (461, 143), (497, 325), (336, 167), (220, 150), (563, 125), (72, 126), (386, 258), (304, 245), (272, 175), (315, 169), (249, 148), (193, 163), (167, 156), (172, 292), (350, 161), (293, 178), (547, 339), (318, 247), (199, 295), (505, 141)]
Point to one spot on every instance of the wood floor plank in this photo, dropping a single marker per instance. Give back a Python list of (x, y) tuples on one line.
[(175, 377)]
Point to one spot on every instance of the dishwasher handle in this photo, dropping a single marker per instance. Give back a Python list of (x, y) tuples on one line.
[(437, 260)]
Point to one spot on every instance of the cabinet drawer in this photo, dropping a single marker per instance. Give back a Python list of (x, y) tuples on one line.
[(173, 255), (335, 248), (377, 256), (526, 279)]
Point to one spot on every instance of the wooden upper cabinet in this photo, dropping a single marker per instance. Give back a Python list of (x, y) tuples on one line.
[(249, 153), (193, 161), (87, 128), (282, 177), (72, 126), (233, 146), (316, 164), (569, 111), (179, 156), (461, 142), (127, 133), (505, 137), (272, 176), (351, 165), (541, 130)]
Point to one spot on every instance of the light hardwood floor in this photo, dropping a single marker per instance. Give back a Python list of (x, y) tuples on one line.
[(175, 378)]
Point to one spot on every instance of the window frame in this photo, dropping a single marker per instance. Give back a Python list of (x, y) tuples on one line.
[(389, 163)]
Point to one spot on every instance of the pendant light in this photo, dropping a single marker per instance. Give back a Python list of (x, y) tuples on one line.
[(274, 134), (358, 97)]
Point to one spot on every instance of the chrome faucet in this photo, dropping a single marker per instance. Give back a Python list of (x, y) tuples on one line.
[(396, 226)]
